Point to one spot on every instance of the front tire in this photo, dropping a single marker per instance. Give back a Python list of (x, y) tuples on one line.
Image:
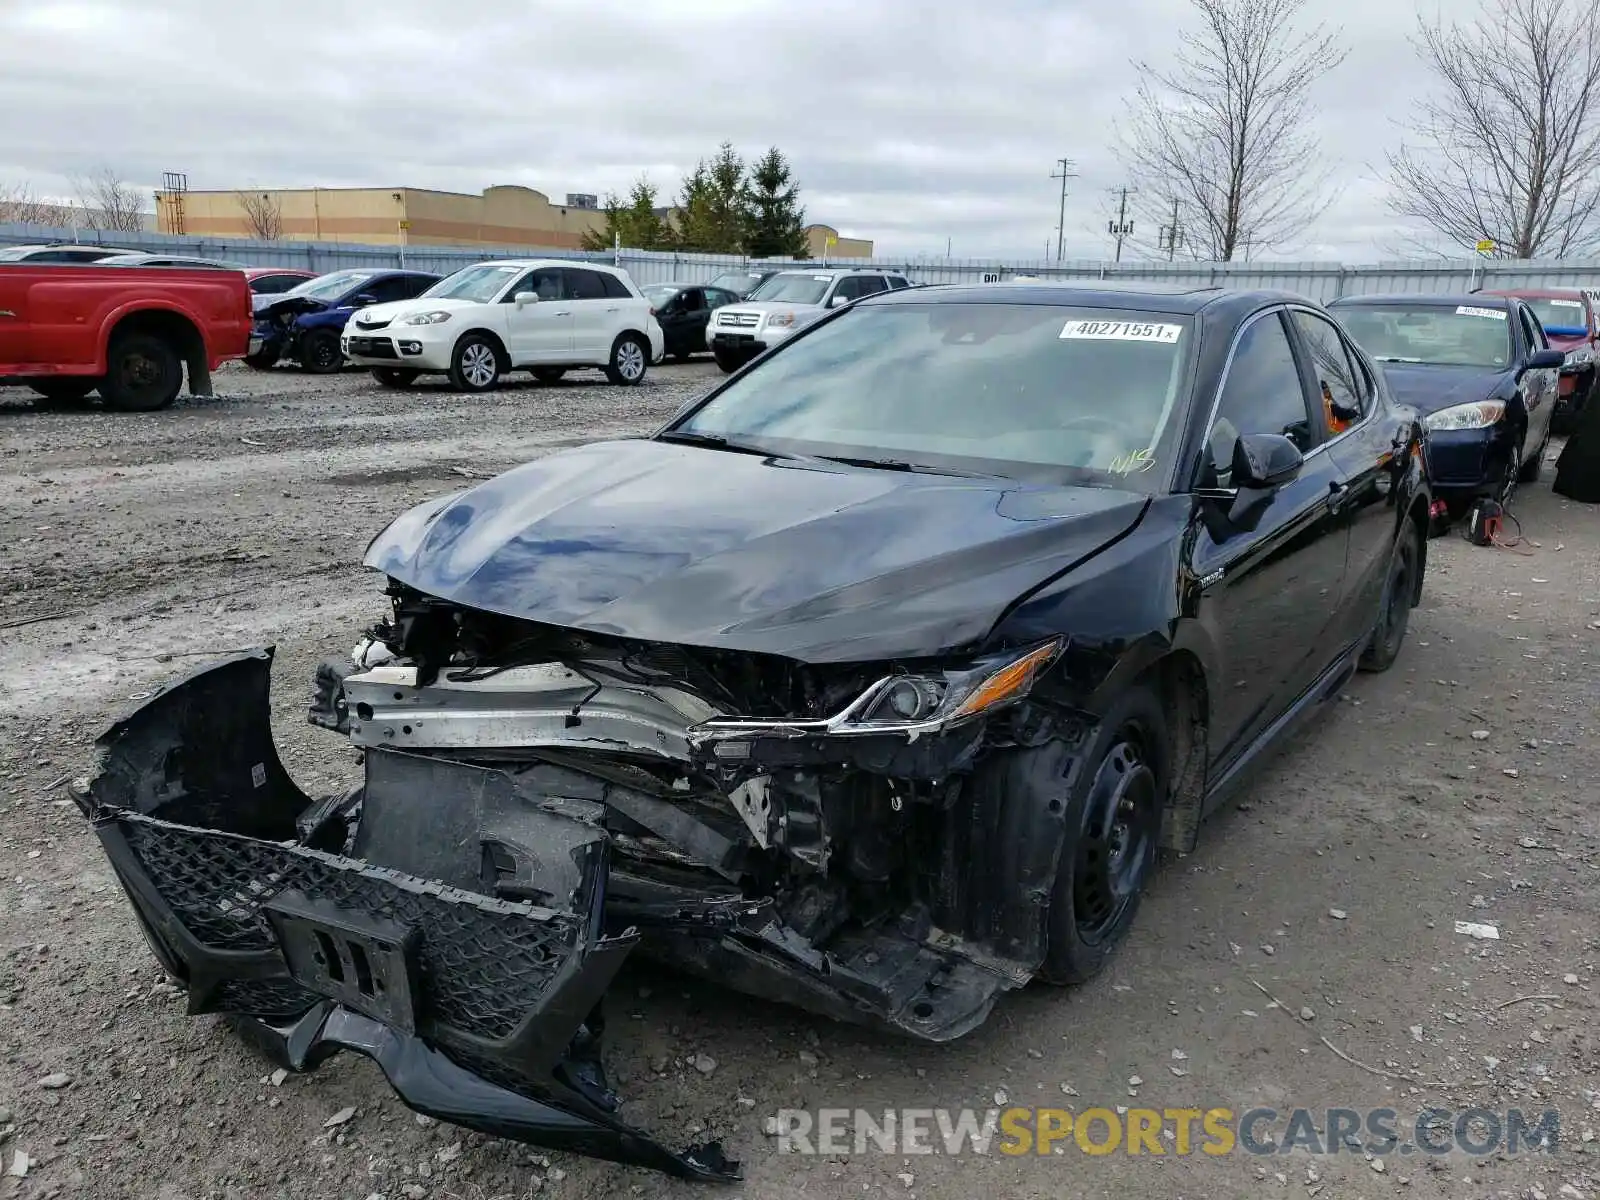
[(475, 365), (394, 377), (261, 362), (630, 359), (143, 373), (1395, 603), (727, 362), (1113, 820), (320, 353)]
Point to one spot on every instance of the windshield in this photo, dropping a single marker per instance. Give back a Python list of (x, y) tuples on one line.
[(793, 287), (738, 282), (1460, 335), (659, 293), (1559, 315), (1026, 391), (481, 283), (329, 287)]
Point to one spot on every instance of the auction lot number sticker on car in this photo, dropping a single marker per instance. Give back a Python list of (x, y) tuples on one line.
[(1121, 331), (1494, 314)]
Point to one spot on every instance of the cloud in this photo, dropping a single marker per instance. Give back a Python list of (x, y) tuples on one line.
[(907, 123)]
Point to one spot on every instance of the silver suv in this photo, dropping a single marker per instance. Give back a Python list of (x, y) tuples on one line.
[(786, 304)]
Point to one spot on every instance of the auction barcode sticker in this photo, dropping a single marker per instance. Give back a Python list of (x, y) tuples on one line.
[(1121, 331), (1494, 314), (1567, 303)]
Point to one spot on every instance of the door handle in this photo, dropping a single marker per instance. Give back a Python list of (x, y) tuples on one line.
[(613, 308), (6, 312), (1338, 494), (565, 313)]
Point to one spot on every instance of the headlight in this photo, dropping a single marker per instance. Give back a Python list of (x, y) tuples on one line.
[(437, 317), (911, 704), (1478, 415), (779, 320)]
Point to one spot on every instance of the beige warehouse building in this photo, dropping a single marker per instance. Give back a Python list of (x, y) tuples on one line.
[(507, 215)]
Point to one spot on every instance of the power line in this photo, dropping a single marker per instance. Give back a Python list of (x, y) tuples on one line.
[(1066, 165)]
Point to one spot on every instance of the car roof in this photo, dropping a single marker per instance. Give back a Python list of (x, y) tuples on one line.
[(1549, 293), (546, 262), (1187, 300), (1441, 299)]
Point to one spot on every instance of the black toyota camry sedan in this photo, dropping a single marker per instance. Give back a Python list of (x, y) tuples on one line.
[(871, 683)]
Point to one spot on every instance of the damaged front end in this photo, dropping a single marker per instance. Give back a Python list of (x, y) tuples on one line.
[(537, 802)]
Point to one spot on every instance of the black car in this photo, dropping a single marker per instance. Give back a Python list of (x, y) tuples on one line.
[(871, 683), (683, 310), (1480, 371), (304, 323), (742, 283)]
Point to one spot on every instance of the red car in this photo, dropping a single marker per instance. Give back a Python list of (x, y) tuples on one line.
[(130, 332), (1571, 325), (273, 281)]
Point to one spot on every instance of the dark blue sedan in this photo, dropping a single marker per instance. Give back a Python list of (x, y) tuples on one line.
[(1479, 369), (304, 323)]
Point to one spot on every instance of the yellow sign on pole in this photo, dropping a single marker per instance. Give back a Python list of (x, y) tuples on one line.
[(405, 224), (1486, 246)]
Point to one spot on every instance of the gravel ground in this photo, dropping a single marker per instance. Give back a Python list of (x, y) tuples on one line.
[(1460, 786)]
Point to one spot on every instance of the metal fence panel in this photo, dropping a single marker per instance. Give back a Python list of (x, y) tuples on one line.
[(1318, 280)]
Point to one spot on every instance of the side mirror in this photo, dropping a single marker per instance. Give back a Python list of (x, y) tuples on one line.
[(1265, 461), (523, 299), (838, 301), (364, 299), (1544, 360)]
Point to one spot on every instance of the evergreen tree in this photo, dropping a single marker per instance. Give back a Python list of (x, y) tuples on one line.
[(777, 221), (635, 224), (695, 227), (727, 206)]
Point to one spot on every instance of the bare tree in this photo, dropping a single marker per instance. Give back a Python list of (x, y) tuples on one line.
[(1225, 131), (263, 215), (1509, 150), (107, 202), (19, 204)]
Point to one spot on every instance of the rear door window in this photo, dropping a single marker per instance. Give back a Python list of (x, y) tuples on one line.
[(584, 285)]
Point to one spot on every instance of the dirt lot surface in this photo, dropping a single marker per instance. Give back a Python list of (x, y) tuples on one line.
[(1459, 787)]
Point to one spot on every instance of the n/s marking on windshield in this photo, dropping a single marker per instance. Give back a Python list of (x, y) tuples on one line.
[(1121, 331), (1134, 460)]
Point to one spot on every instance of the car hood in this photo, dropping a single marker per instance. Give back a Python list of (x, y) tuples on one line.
[(384, 314), (811, 560), (1565, 341), (771, 306), (1428, 388), (271, 306)]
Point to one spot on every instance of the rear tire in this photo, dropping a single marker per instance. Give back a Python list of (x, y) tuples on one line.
[(320, 353), (1395, 604), (143, 373), (630, 360), (394, 377), (475, 365), (549, 374), (1113, 821), (63, 392)]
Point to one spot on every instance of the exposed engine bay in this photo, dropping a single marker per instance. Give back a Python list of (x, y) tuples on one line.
[(539, 801)]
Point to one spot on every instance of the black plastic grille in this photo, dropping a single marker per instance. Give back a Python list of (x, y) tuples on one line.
[(263, 997), (483, 964)]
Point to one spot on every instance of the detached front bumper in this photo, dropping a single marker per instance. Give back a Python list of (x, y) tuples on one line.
[(479, 1010)]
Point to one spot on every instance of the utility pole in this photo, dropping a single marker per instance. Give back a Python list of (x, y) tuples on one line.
[(1067, 173), (1171, 235), (1121, 227)]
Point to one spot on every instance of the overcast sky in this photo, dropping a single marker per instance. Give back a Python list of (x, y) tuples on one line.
[(908, 123)]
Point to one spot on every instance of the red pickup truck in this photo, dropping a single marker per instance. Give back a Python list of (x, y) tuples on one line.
[(68, 329)]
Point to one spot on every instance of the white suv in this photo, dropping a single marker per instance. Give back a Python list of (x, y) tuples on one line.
[(785, 304), (543, 315)]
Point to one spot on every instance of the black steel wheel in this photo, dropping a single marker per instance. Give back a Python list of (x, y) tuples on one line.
[(320, 353), (1113, 822)]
